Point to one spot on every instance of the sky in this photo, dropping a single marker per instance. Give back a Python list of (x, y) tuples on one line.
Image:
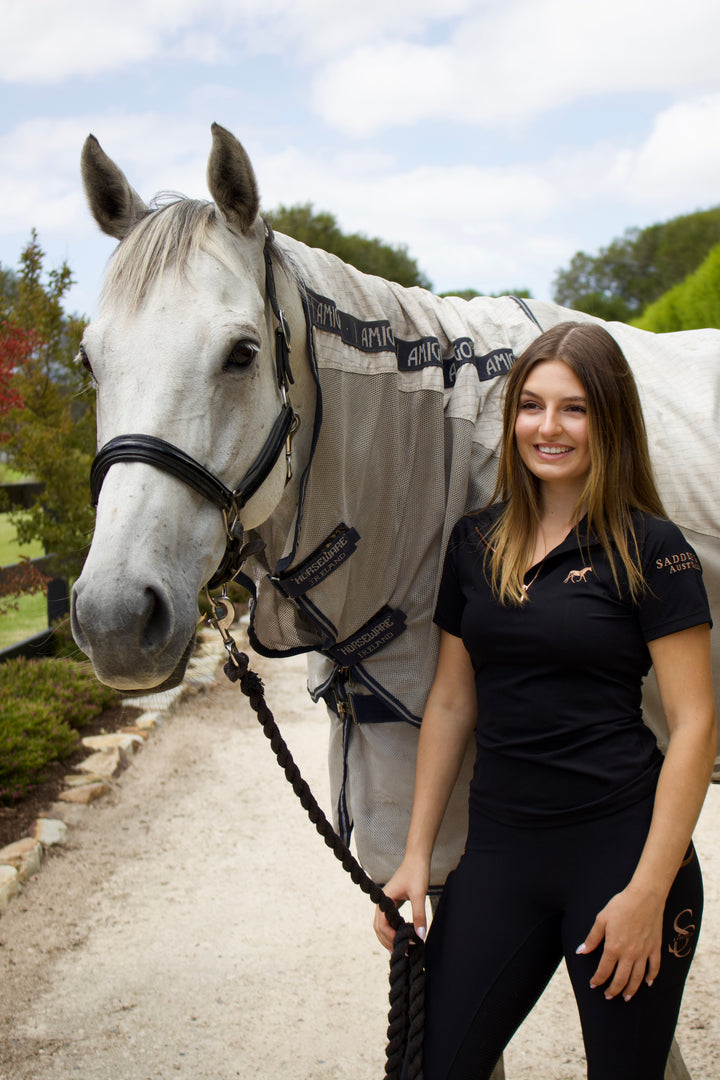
[(493, 138)]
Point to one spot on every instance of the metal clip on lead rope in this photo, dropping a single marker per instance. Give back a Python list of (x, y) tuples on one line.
[(221, 619)]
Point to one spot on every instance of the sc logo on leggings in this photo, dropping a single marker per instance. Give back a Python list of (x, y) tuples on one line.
[(682, 943)]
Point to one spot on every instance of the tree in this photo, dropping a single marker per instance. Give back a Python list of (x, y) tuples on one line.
[(23, 579), (691, 305), (53, 437), (470, 294), (636, 269), (16, 346), (373, 256)]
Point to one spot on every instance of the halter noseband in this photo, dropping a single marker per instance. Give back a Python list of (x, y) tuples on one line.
[(151, 450)]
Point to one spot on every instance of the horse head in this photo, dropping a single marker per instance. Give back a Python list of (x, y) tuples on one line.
[(194, 420)]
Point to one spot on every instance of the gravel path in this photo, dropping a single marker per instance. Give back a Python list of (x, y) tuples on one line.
[(195, 925)]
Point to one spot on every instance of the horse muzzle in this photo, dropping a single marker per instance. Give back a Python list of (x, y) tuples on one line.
[(135, 643)]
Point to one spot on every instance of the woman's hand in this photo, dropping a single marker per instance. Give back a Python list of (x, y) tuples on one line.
[(409, 882), (631, 927)]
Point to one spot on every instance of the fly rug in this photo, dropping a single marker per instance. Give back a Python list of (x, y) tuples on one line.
[(338, 526)]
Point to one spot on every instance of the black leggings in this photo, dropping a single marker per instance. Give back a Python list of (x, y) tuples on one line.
[(519, 901)]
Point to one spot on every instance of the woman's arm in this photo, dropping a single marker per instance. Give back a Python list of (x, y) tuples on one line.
[(448, 721), (631, 923)]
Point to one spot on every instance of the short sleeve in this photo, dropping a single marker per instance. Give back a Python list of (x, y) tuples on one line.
[(451, 599), (675, 597)]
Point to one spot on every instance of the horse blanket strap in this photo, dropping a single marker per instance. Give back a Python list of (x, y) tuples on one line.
[(375, 634), (171, 459), (282, 334), (327, 557)]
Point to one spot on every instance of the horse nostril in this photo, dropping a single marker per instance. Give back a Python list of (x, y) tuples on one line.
[(158, 625)]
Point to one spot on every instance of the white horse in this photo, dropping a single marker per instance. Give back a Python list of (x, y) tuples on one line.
[(351, 469)]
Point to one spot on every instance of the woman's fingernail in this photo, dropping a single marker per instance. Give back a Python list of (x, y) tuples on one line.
[(628, 997), (580, 949), (421, 932), (649, 982)]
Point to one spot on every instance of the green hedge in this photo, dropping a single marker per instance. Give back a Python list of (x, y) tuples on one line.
[(43, 703), (692, 305)]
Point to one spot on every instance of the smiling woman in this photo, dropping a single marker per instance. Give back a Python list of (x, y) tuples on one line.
[(580, 832)]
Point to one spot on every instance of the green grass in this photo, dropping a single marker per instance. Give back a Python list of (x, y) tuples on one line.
[(10, 549), (30, 618), (10, 476), (31, 615)]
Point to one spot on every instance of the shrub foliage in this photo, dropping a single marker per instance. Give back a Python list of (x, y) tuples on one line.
[(43, 704)]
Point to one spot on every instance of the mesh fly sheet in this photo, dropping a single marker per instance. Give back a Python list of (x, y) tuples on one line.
[(407, 433)]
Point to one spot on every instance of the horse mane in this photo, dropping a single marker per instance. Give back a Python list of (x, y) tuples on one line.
[(166, 238)]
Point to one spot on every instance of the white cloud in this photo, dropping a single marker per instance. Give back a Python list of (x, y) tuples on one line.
[(44, 42), (679, 161), (40, 181), (376, 66), (510, 63), (466, 224)]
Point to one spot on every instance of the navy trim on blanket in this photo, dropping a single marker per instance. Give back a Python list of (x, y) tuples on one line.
[(373, 335), (524, 307), (317, 424), (376, 336), (345, 823)]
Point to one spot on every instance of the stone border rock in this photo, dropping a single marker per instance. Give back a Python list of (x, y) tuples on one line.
[(108, 756)]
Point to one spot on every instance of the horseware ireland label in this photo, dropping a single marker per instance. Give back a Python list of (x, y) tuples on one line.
[(377, 632), (332, 553)]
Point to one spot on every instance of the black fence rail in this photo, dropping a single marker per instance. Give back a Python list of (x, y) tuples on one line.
[(23, 495)]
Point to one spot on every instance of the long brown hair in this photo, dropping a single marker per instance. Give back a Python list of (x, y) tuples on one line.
[(620, 479)]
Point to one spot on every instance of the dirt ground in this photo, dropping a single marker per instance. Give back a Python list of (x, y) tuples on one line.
[(196, 926)]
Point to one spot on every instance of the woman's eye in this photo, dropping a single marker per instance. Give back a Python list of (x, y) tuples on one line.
[(241, 354)]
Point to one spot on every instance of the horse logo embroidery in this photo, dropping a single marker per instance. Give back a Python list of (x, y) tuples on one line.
[(682, 944), (578, 575)]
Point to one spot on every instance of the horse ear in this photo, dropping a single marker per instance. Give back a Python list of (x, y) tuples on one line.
[(114, 204), (231, 180)]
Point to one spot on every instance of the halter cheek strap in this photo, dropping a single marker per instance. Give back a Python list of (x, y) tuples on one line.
[(151, 450)]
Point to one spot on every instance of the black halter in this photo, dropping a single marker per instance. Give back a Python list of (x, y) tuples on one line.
[(163, 455)]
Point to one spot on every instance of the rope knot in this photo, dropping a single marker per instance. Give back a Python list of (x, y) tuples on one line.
[(236, 667), (252, 685)]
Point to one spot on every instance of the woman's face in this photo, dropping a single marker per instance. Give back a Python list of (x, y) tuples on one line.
[(551, 428)]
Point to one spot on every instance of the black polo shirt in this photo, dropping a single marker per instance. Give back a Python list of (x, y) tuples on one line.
[(559, 734)]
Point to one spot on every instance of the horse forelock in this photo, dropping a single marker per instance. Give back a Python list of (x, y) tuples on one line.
[(165, 239)]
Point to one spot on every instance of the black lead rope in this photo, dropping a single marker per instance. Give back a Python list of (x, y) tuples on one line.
[(407, 976)]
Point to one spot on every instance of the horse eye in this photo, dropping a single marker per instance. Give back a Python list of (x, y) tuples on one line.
[(241, 354), (84, 359)]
